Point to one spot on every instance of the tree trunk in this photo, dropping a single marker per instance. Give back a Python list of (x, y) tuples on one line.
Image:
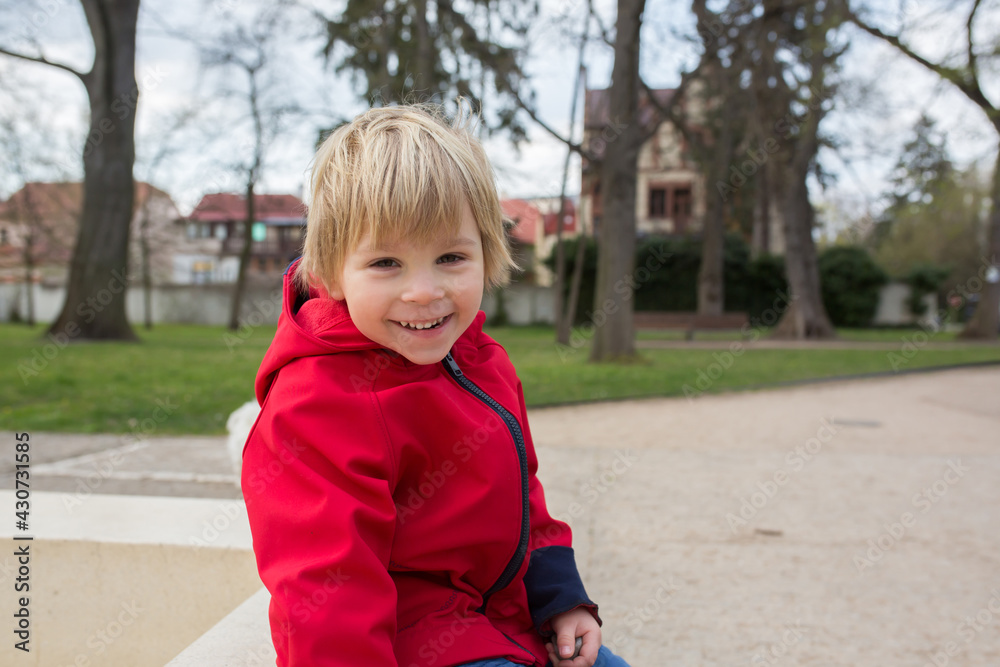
[(241, 276), (614, 339), (760, 242), (711, 286), (805, 317), (147, 274), (423, 72), (562, 323), (29, 294), (35, 223), (577, 280), (985, 321), (564, 318), (97, 284)]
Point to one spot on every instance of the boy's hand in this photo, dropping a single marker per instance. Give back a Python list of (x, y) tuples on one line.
[(568, 626)]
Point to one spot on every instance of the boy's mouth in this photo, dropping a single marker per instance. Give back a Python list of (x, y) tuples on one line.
[(419, 326)]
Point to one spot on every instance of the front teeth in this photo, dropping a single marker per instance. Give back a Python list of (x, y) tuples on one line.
[(423, 326)]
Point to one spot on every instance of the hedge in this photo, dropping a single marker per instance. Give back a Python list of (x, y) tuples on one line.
[(850, 279)]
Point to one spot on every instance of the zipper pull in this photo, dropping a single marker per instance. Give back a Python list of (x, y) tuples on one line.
[(450, 362)]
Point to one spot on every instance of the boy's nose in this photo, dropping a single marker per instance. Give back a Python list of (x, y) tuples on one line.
[(423, 288)]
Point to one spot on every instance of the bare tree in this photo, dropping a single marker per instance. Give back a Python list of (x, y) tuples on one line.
[(24, 212), (985, 322), (625, 134), (565, 314), (100, 256), (615, 341), (249, 50), (37, 213), (770, 47), (711, 138), (792, 55), (151, 243)]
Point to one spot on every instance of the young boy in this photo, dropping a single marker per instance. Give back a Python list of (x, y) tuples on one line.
[(390, 477)]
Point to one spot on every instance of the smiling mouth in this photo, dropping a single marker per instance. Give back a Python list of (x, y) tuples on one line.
[(420, 326)]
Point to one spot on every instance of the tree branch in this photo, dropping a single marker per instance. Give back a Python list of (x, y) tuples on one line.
[(968, 83), (602, 30), (41, 59), (577, 148), (668, 111), (944, 72), (973, 73)]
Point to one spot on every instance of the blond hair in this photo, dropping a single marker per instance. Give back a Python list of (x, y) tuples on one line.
[(402, 172)]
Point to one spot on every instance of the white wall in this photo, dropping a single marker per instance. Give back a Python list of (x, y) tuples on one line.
[(892, 308), (177, 304), (209, 304)]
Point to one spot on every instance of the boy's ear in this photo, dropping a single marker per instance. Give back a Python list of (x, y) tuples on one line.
[(336, 292)]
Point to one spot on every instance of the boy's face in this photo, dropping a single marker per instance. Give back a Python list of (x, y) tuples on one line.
[(418, 285)]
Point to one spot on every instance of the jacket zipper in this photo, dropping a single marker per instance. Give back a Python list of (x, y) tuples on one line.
[(522, 454)]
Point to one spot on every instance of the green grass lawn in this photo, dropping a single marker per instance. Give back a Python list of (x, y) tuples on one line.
[(187, 379), (888, 335)]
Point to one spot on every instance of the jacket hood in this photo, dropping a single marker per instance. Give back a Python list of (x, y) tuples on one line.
[(313, 323)]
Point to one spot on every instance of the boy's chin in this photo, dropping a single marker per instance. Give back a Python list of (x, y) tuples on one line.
[(424, 358)]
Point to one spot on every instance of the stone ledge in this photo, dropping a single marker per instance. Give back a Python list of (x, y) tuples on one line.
[(241, 639), (195, 522), (120, 581)]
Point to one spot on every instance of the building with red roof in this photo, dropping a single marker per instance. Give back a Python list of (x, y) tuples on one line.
[(42, 220), (670, 194), (214, 233), (533, 235)]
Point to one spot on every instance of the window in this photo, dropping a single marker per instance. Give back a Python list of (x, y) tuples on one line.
[(220, 232), (259, 231), (201, 272), (3, 237), (682, 203), (657, 202), (192, 230)]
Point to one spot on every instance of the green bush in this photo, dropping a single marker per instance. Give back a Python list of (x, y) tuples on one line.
[(923, 280), (500, 317), (850, 281), (752, 286), (585, 304), (767, 288)]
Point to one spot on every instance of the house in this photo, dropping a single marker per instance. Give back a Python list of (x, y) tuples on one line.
[(670, 194), (533, 237), (39, 225), (213, 237)]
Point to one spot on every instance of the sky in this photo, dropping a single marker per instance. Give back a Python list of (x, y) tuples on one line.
[(50, 108)]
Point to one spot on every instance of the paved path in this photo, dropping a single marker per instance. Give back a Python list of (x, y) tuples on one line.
[(844, 523), (817, 471)]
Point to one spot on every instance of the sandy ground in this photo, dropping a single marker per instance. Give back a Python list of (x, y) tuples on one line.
[(849, 523), (843, 523)]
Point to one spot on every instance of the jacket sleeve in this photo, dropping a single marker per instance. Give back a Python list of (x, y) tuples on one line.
[(552, 580), (317, 479)]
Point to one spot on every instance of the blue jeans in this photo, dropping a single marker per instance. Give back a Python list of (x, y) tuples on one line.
[(605, 658)]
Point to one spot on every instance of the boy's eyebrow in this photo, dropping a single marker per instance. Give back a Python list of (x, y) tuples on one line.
[(463, 241)]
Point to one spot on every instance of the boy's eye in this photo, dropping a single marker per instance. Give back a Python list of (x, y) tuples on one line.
[(388, 263)]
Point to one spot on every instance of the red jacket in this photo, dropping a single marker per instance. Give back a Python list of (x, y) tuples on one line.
[(395, 513)]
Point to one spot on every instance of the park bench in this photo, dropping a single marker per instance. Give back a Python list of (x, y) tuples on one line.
[(688, 321)]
